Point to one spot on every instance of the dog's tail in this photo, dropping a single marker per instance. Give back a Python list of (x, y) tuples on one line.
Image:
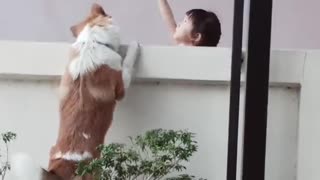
[(24, 168)]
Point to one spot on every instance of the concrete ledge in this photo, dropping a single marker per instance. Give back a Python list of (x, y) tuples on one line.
[(34, 60)]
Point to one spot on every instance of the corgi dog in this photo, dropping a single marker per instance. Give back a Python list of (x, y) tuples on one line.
[(96, 78)]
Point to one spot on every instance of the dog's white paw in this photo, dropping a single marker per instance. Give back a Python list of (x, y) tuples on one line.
[(134, 44)]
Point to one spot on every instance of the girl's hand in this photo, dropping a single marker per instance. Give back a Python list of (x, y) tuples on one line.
[(167, 15)]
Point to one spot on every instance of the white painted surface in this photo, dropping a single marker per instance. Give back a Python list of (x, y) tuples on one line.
[(29, 102), (281, 154), (309, 125), (30, 109), (211, 65)]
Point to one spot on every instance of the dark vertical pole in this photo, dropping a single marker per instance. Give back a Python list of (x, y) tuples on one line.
[(235, 89), (257, 86)]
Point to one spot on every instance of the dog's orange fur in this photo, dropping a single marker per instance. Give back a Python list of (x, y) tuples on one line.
[(86, 106)]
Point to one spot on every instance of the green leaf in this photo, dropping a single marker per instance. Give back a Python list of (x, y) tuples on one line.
[(8, 136), (156, 153)]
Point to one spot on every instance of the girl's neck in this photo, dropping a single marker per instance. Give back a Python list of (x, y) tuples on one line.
[(185, 44)]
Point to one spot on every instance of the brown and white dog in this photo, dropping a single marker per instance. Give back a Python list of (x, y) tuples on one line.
[(95, 79)]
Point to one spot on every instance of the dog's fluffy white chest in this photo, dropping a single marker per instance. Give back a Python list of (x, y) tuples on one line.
[(92, 52), (92, 60)]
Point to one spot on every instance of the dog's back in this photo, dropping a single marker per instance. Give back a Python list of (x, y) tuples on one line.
[(90, 87), (86, 114)]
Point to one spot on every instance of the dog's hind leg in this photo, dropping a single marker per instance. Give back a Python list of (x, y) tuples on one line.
[(49, 176), (63, 168)]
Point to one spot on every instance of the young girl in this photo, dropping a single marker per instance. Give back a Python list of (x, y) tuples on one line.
[(199, 27)]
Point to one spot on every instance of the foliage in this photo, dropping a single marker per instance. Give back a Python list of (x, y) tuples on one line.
[(151, 156), (4, 158)]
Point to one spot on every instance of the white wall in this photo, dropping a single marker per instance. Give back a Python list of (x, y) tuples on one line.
[(294, 24), (30, 109), (309, 125), (195, 97)]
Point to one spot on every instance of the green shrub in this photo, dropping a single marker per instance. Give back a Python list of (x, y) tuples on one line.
[(4, 158), (151, 156)]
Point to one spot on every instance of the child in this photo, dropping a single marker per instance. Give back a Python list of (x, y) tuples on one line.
[(199, 27)]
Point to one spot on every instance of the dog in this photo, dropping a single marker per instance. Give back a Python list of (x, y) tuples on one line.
[(96, 78)]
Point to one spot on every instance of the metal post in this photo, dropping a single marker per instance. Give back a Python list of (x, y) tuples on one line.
[(235, 89), (257, 86)]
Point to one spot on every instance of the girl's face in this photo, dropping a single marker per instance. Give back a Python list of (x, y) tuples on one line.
[(183, 33)]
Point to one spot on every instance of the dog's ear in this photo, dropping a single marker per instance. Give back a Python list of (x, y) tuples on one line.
[(76, 29), (96, 9)]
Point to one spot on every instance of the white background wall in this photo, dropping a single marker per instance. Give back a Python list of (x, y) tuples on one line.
[(295, 22), (309, 125), (30, 108), (294, 26), (200, 104)]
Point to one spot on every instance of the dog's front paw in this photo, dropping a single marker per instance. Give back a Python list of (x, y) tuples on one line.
[(134, 43), (134, 49)]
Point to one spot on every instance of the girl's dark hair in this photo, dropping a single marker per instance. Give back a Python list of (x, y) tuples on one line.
[(207, 24)]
